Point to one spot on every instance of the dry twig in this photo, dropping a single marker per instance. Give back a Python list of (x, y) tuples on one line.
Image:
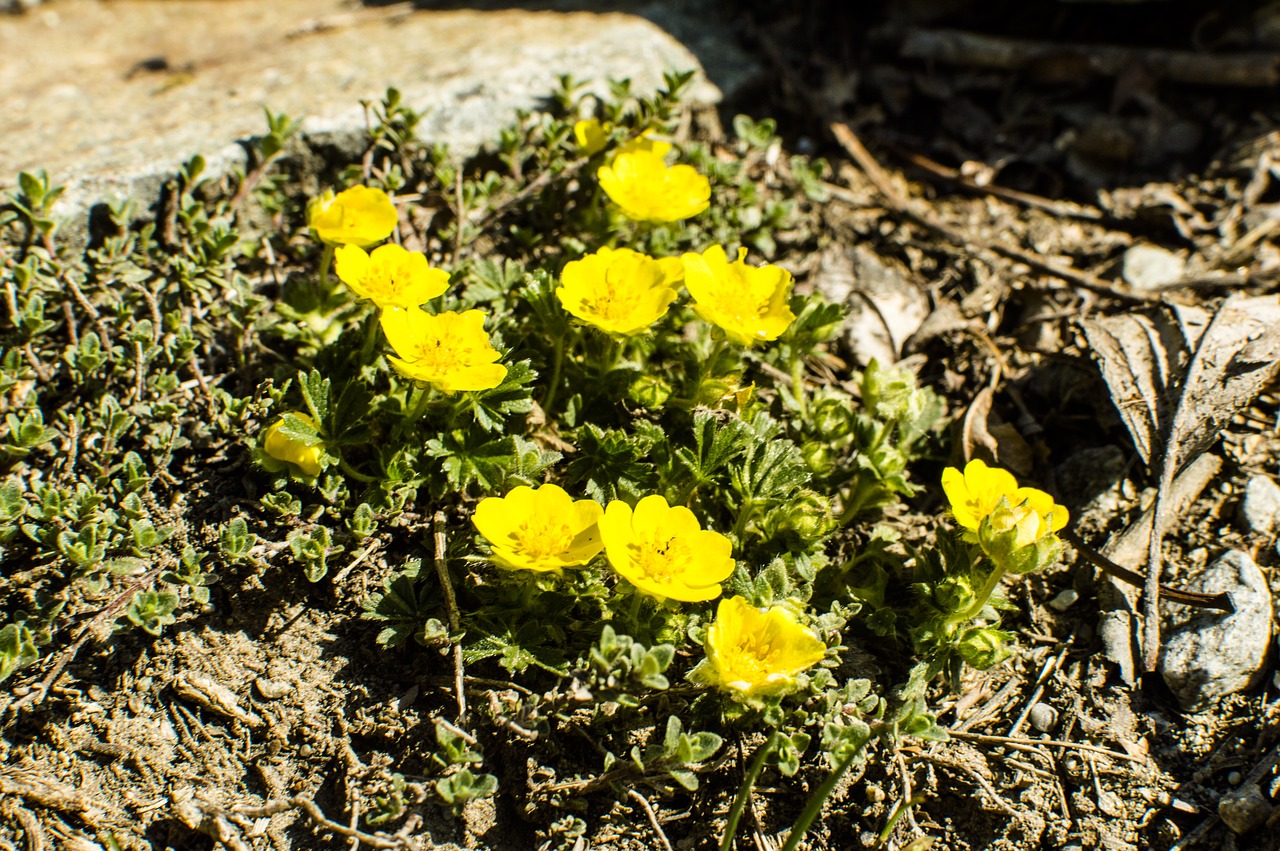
[(906, 208)]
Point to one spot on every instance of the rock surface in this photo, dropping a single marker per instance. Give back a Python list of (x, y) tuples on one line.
[(110, 97), (1260, 508), (1209, 654)]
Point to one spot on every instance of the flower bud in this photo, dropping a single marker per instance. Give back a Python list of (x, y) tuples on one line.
[(649, 391), (983, 647), (819, 457), (292, 450), (810, 516), (832, 418), (954, 595), (1018, 538)]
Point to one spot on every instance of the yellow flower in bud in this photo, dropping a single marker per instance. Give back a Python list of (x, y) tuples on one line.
[(754, 651), (619, 290), (646, 189), (748, 303), (540, 529), (283, 447), (450, 351), (591, 134), (980, 490), (664, 551), (360, 216), (390, 276)]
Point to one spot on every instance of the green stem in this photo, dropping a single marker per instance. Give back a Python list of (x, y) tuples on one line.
[(557, 365), (426, 394), (353, 473), (813, 806), (326, 260), (797, 385), (744, 791), (993, 581), (744, 518)]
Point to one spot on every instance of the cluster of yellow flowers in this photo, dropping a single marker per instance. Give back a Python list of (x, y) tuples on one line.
[(665, 553), (623, 292), (450, 351)]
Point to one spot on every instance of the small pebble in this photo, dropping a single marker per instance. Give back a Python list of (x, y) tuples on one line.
[(272, 689), (1043, 717), (1234, 778), (1244, 809), (1065, 600)]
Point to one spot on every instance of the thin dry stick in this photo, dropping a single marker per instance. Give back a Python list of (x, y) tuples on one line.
[(905, 208), (653, 817), (1031, 744), (1003, 805), (308, 806), (1220, 601), (1065, 209), (1050, 666), (41, 690), (451, 606)]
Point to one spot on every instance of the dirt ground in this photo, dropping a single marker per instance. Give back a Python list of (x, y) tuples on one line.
[(1004, 184)]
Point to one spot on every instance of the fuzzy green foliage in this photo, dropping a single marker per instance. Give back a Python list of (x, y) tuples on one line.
[(141, 376)]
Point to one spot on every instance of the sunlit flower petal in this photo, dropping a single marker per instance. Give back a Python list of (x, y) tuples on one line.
[(979, 491), (646, 189), (283, 447), (390, 276), (664, 551), (450, 351), (540, 529), (617, 290), (754, 651), (748, 303), (360, 216)]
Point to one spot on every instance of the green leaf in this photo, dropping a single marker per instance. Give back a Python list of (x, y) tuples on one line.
[(17, 649), (491, 407), (612, 464)]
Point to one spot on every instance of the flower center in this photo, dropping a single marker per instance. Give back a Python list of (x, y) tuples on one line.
[(443, 354), (659, 560), (540, 537)]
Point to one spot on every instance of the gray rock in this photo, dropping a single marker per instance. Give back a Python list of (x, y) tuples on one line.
[(1209, 654), (1244, 809), (1260, 508), (1148, 267), (111, 97), (1043, 717)]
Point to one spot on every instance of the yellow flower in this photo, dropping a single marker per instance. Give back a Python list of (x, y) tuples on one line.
[(980, 490), (282, 447), (759, 651), (592, 135), (664, 551), (450, 351), (390, 276), (542, 529), (619, 290), (748, 303), (647, 190), (356, 216)]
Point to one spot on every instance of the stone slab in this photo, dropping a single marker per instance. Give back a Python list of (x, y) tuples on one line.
[(110, 97)]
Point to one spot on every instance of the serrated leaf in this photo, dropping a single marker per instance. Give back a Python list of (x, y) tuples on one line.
[(491, 407)]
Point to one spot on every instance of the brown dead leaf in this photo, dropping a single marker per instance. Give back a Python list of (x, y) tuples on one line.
[(984, 434), (1177, 375)]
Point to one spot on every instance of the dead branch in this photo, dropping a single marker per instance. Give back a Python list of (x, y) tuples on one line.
[(908, 209), (956, 47)]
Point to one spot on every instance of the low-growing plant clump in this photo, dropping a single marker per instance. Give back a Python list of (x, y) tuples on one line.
[(564, 405)]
